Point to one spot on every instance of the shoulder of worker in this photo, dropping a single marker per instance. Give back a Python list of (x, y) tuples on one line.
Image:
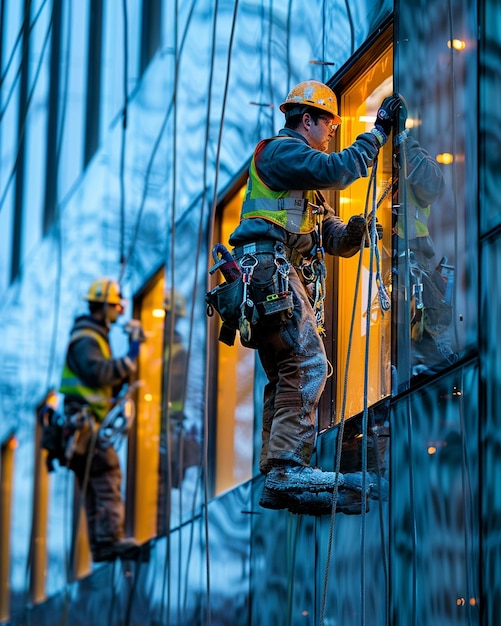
[(87, 328), (286, 140), (291, 163)]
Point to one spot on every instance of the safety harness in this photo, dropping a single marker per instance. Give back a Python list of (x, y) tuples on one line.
[(311, 269)]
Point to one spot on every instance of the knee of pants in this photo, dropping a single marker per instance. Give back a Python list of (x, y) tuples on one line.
[(313, 377)]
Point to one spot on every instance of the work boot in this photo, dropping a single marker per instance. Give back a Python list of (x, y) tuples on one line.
[(377, 486), (299, 478), (316, 504), (348, 502), (274, 499)]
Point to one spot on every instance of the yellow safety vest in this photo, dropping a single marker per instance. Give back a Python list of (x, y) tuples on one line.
[(98, 398), (293, 210)]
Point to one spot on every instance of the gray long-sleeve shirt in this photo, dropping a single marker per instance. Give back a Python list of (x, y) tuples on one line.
[(294, 164)]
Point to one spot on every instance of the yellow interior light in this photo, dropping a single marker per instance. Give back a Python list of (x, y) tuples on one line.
[(431, 449), (446, 158), (158, 313), (457, 44), (148, 397)]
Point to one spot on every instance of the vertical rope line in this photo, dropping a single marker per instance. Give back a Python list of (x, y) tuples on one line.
[(373, 243), (342, 420)]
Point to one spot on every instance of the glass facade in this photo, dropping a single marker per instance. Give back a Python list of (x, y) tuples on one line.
[(125, 133)]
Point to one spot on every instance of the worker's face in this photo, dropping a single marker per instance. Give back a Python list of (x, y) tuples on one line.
[(113, 312), (320, 132)]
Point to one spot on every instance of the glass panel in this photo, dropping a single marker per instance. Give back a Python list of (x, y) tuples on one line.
[(490, 314), (166, 441), (434, 487), (235, 389), (149, 412), (437, 264), (356, 284), (489, 115)]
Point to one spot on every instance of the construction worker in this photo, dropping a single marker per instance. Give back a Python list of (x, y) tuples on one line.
[(180, 449), (284, 230), (91, 380)]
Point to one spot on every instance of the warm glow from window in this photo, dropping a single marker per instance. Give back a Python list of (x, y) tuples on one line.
[(158, 313), (359, 105), (457, 44), (431, 450), (446, 158)]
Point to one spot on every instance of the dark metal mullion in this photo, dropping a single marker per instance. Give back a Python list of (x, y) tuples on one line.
[(150, 32), (93, 99), (20, 160), (52, 169)]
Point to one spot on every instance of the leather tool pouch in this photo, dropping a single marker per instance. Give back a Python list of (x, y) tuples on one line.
[(226, 299)]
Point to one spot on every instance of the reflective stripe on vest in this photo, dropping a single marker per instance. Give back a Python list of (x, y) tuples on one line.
[(291, 210), (98, 398)]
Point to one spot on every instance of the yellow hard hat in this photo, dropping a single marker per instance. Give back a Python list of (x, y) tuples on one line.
[(315, 94), (105, 290)]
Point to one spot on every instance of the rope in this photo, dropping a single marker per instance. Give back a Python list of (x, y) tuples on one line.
[(374, 257), (11, 58), (211, 222), (373, 245), (342, 423)]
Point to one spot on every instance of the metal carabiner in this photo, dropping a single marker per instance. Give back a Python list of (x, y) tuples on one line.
[(307, 271)]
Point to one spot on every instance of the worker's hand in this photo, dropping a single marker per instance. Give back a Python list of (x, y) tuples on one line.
[(133, 350), (135, 331), (393, 110), (355, 230)]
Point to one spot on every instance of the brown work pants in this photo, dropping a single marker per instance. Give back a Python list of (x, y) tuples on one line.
[(103, 499), (293, 357)]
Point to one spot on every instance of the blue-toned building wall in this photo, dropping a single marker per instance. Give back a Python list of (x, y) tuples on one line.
[(428, 555)]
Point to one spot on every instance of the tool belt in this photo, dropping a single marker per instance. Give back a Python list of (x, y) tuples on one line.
[(243, 302), (81, 425), (268, 246)]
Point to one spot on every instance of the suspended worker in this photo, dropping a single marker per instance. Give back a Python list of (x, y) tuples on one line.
[(284, 230), (91, 381)]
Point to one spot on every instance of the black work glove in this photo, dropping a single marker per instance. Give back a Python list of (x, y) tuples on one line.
[(356, 228), (388, 113)]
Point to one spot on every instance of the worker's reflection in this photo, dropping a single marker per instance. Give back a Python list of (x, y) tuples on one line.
[(179, 447)]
